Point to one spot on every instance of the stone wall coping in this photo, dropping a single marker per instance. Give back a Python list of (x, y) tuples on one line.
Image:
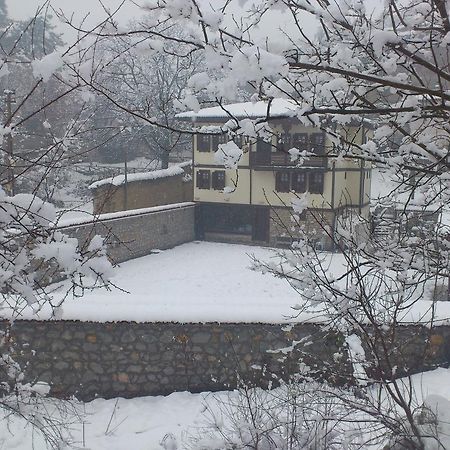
[(120, 214)]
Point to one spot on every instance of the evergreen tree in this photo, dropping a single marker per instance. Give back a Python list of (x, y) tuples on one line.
[(3, 14)]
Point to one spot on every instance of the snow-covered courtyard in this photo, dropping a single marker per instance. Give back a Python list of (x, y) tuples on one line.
[(203, 282), (194, 282)]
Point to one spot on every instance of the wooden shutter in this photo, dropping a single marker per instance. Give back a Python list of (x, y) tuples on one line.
[(218, 180), (282, 182), (318, 143), (203, 142), (299, 182), (203, 179), (316, 180)]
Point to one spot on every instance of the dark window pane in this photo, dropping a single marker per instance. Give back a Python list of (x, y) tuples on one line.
[(203, 143), (218, 179), (227, 219), (316, 183), (203, 181), (284, 142), (299, 182), (300, 141), (318, 143), (282, 182), (218, 139)]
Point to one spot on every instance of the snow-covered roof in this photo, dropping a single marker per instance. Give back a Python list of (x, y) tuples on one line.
[(142, 176), (278, 108)]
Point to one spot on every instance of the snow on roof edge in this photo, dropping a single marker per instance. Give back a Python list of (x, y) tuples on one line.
[(118, 180), (278, 108), (119, 214)]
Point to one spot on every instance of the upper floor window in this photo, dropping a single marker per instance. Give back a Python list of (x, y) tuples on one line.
[(218, 180), (316, 182), (300, 141), (317, 141), (218, 139), (203, 179), (203, 142), (299, 182), (282, 182), (284, 142), (239, 140)]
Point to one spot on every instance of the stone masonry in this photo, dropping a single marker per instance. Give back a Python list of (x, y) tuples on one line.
[(130, 236), (130, 359)]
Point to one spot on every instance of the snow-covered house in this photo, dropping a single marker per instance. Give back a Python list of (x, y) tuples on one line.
[(246, 191)]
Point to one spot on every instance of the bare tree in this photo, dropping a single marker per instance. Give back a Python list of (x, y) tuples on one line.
[(390, 66), (33, 251)]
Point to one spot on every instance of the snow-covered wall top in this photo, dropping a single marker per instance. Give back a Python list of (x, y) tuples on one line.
[(142, 176), (253, 110)]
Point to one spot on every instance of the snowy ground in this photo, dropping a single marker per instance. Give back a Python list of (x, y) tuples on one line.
[(142, 423), (194, 282), (203, 282)]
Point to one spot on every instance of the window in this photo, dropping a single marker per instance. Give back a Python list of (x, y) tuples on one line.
[(299, 181), (203, 181), (238, 140), (316, 183), (203, 142), (263, 146), (282, 182), (300, 141), (284, 142), (218, 139), (263, 153), (318, 143), (218, 180)]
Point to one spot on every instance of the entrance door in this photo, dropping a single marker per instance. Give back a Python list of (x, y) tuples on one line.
[(260, 228)]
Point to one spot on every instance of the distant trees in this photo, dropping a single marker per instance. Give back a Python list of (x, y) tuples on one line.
[(137, 85), (39, 130)]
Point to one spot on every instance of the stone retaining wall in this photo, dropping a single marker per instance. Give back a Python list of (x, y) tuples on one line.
[(130, 235), (134, 359)]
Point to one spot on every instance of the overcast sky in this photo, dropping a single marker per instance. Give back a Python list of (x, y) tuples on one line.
[(23, 9)]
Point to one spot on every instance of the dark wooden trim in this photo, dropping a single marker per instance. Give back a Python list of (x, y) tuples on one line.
[(282, 206), (216, 166), (338, 208), (352, 169), (290, 169), (333, 184)]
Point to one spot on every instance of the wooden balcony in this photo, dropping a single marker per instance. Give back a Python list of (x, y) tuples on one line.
[(274, 159)]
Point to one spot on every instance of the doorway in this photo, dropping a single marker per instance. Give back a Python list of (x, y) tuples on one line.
[(261, 224)]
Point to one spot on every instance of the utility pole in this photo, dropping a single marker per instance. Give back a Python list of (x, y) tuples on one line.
[(125, 186), (9, 152)]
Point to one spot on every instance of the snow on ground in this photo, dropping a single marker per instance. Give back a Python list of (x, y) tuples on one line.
[(203, 282), (142, 423), (194, 282)]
